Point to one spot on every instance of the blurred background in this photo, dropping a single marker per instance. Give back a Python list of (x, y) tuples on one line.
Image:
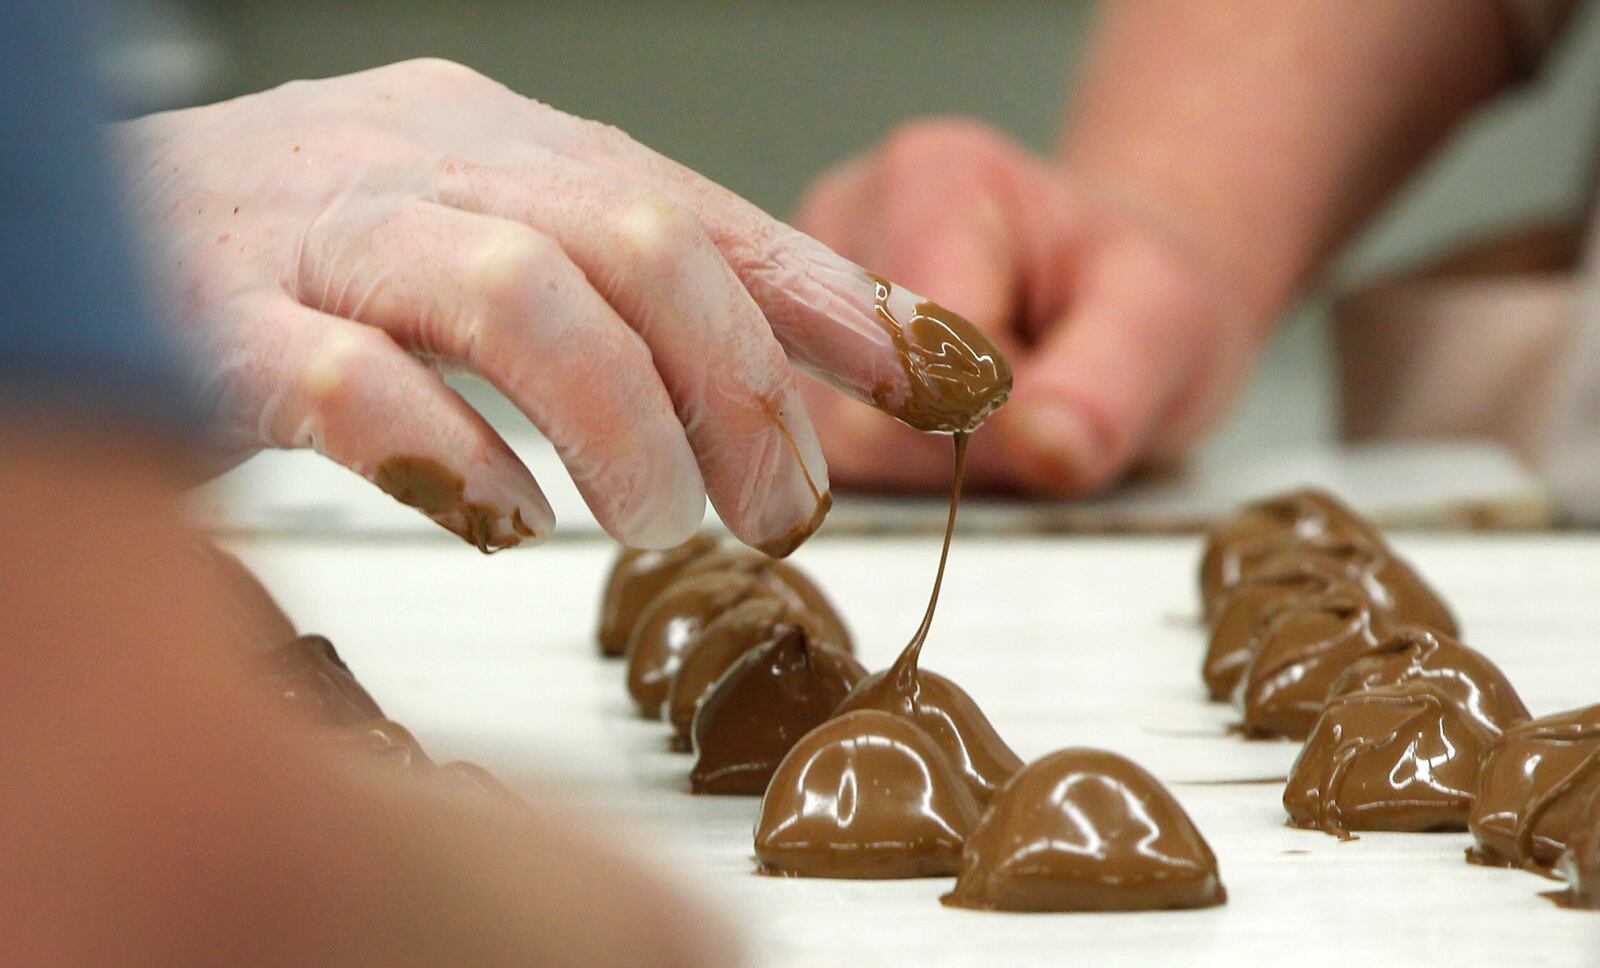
[(763, 96)]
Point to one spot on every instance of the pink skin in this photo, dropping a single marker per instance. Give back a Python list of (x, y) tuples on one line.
[(330, 239), (1120, 339), (1217, 155)]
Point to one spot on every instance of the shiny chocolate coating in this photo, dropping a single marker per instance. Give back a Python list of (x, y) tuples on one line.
[(636, 578), (755, 713), (1304, 648), (955, 375), (722, 643), (1388, 581), (1580, 862), (786, 581), (671, 623), (311, 679), (1465, 676), (1248, 610), (1295, 516), (1537, 783), (1396, 757), (1086, 830), (864, 795), (945, 712)]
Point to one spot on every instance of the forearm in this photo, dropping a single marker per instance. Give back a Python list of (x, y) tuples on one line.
[(1262, 132)]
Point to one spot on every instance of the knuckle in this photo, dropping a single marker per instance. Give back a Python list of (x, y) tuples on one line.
[(918, 144), (439, 69), (506, 271), (660, 235), (341, 360)]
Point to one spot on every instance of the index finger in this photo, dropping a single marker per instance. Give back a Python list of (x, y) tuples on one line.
[(880, 343)]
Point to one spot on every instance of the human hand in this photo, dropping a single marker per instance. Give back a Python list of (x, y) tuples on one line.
[(1124, 343), (327, 237)]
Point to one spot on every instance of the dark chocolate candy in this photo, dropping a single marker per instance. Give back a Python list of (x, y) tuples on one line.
[(763, 704), (864, 795), (720, 644), (1085, 830)]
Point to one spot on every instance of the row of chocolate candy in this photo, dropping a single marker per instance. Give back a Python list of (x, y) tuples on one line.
[(897, 774), (1414, 731)]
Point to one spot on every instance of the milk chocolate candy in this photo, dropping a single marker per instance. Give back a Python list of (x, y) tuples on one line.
[(723, 642), (1397, 757), (671, 623), (1283, 518), (1085, 830), (763, 704), (637, 577), (1303, 650), (1536, 785), (471, 777), (785, 580), (311, 678), (864, 795), (1464, 675), (1580, 863), (1236, 634), (944, 711), (1383, 576)]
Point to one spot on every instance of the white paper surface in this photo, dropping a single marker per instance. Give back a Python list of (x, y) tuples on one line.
[(1063, 642)]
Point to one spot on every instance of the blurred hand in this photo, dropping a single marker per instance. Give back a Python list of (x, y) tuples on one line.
[(329, 238), (1122, 342)]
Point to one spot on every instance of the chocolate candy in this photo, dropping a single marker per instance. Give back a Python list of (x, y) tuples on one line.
[(636, 578), (760, 708), (1464, 675), (1281, 519), (944, 711), (786, 581), (1248, 610), (311, 678), (864, 795), (720, 644), (1085, 830), (1384, 577), (673, 621), (1534, 790), (1304, 648), (1580, 863), (1396, 757)]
